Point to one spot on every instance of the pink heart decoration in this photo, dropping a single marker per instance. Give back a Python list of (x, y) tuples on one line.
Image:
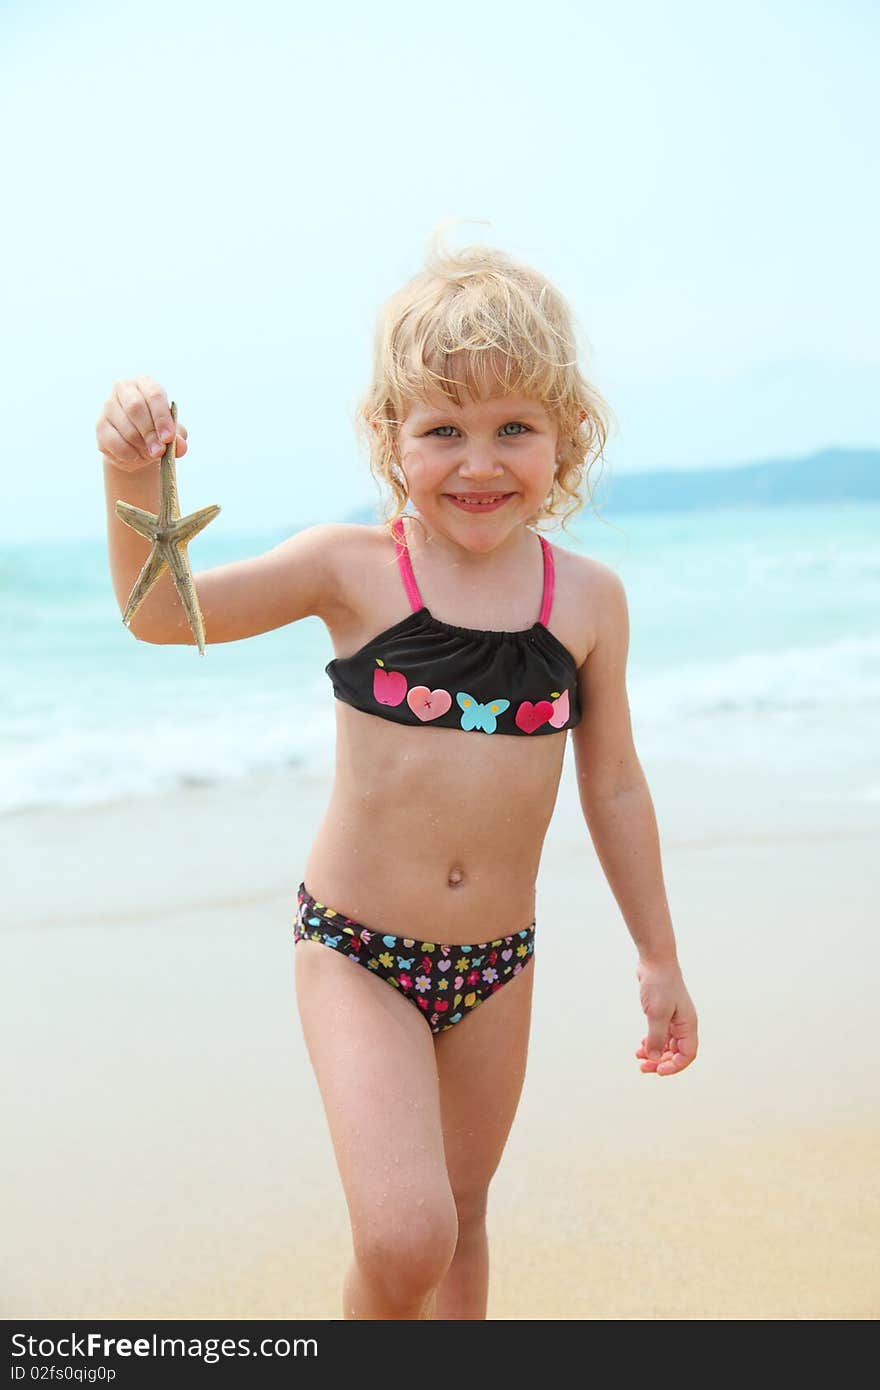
[(560, 711), (505, 955), (428, 704), (530, 717), (444, 964)]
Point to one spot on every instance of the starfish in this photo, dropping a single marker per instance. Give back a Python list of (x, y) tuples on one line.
[(170, 533)]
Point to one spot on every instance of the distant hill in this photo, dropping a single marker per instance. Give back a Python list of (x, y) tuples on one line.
[(835, 475)]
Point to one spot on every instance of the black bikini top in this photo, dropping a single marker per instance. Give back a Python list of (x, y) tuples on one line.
[(423, 671)]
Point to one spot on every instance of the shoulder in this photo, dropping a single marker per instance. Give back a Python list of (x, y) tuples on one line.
[(356, 543), (593, 578), (338, 531), (338, 537), (597, 592), (353, 552), (313, 562), (354, 532)]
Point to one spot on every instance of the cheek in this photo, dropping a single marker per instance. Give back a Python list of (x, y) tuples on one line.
[(540, 472), (424, 470)]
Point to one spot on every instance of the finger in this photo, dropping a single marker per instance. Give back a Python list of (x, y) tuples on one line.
[(652, 1063), (146, 405), (683, 1048), (117, 426), (658, 1037), (160, 410), (115, 447), (683, 1037), (133, 404), (676, 1063)]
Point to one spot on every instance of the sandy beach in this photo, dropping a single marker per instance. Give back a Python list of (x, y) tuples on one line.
[(166, 1153)]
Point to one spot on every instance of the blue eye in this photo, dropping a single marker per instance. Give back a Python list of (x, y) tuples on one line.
[(518, 423)]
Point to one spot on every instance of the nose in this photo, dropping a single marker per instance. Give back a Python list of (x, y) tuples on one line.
[(479, 466)]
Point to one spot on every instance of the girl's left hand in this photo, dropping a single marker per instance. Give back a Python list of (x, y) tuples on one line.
[(670, 1043)]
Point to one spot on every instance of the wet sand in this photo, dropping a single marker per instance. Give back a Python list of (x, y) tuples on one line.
[(166, 1152)]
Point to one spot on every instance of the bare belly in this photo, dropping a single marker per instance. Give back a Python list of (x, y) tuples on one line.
[(434, 832)]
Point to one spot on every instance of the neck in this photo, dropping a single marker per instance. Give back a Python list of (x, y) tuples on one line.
[(430, 539)]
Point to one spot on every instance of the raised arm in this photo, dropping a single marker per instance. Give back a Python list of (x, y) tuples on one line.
[(293, 580)]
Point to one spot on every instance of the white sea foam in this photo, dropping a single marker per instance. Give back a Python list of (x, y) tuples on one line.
[(76, 765), (755, 639), (793, 707), (838, 674)]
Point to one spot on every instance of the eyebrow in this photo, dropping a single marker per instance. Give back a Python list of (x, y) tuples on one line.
[(427, 412)]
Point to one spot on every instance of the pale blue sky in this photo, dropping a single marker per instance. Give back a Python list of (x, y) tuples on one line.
[(221, 195)]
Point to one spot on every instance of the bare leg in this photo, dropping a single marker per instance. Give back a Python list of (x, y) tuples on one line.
[(364, 1298), (374, 1061), (464, 1289), (481, 1064)]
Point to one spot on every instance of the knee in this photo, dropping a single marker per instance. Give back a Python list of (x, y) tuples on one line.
[(471, 1205), (406, 1253)]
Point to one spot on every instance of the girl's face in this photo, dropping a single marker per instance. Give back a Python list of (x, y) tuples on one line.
[(503, 445)]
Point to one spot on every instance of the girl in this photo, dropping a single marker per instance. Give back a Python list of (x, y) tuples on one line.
[(466, 647)]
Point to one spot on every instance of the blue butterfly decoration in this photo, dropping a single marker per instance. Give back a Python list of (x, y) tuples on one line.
[(405, 964), (477, 716)]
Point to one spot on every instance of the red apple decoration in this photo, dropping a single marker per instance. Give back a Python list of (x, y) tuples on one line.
[(389, 687)]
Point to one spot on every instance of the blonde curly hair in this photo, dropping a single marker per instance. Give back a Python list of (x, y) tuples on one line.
[(476, 320)]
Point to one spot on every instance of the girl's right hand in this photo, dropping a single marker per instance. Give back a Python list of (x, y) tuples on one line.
[(135, 426)]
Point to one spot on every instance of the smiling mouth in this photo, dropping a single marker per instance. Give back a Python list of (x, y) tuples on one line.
[(478, 499)]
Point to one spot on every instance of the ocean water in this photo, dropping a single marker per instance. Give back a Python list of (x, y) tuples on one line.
[(754, 639)]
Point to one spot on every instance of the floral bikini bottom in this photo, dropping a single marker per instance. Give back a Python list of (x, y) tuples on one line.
[(445, 983)]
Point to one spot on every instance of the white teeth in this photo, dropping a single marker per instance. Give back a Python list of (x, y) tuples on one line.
[(483, 502)]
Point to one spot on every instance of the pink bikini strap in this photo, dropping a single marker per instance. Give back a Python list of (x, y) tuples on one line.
[(412, 588), (405, 566), (549, 582)]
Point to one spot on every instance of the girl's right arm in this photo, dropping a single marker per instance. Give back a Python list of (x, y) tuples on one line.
[(295, 579)]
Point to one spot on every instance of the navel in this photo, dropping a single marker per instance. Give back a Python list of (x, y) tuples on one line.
[(455, 877)]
